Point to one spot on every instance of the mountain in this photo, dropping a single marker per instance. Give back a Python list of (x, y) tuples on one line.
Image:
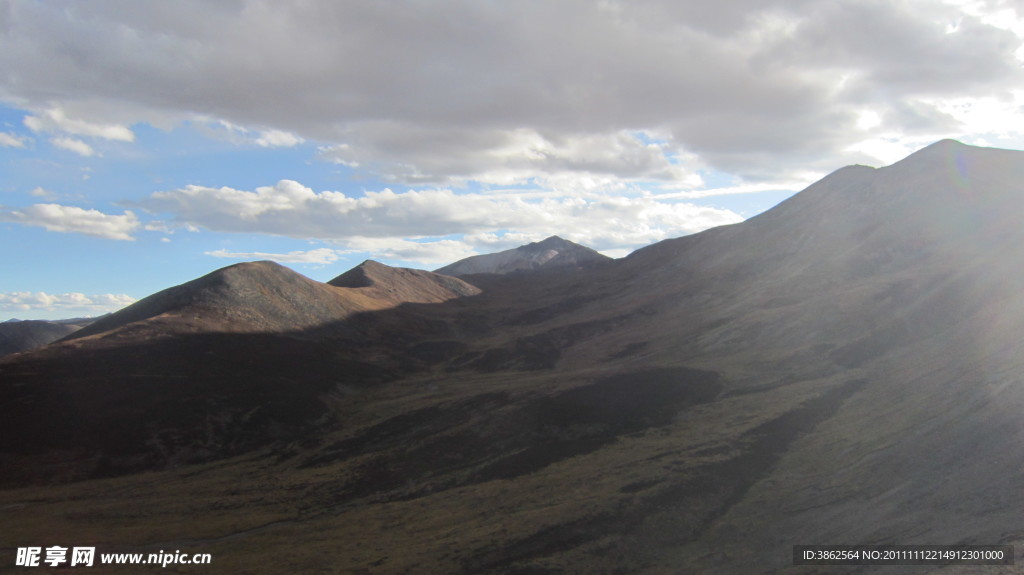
[(844, 368), (243, 356), (22, 335), (554, 252), (268, 297), (403, 284)]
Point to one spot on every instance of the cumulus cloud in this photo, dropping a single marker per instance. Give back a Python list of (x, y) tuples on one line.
[(317, 256), (71, 219), (64, 302), (290, 209), (445, 91)]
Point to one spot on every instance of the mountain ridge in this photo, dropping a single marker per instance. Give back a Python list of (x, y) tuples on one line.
[(266, 296)]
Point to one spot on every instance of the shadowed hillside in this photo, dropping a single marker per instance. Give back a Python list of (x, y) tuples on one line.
[(246, 355), (17, 336)]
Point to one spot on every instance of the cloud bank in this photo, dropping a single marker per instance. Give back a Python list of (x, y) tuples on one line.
[(461, 90), (290, 209), (71, 219), (317, 256), (64, 302)]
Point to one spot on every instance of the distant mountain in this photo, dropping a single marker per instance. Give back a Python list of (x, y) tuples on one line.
[(23, 335), (268, 297), (403, 284), (554, 252), (847, 367)]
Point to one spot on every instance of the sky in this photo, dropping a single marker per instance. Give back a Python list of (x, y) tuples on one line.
[(144, 144)]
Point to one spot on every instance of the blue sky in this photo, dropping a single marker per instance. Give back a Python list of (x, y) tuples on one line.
[(145, 144)]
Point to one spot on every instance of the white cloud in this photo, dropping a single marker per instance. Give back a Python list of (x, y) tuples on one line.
[(992, 115), (157, 226), (886, 149), (291, 209), (240, 135), (56, 120), (71, 219), (801, 181), (278, 139), (64, 302), (41, 192), (430, 253), (869, 119), (583, 161), (8, 140), (72, 145), (317, 256)]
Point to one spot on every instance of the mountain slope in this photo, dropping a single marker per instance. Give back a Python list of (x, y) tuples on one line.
[(18, 336), (551, 253), (875, 253), (845, 368), (268, 297), (403, 284)]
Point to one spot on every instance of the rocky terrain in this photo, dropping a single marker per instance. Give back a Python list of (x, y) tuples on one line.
[(844, 368)]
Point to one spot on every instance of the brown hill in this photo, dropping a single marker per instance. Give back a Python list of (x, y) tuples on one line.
[(402, 284), (268, 297), (844, 368)]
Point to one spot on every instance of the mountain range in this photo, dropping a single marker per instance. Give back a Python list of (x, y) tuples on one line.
[(845, 368)]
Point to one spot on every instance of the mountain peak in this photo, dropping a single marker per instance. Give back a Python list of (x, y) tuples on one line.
[(249, 296), (266, 296), (940, 149), (402, 284), (358, 277), (551, 252), (945, 144), (554, 240)]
